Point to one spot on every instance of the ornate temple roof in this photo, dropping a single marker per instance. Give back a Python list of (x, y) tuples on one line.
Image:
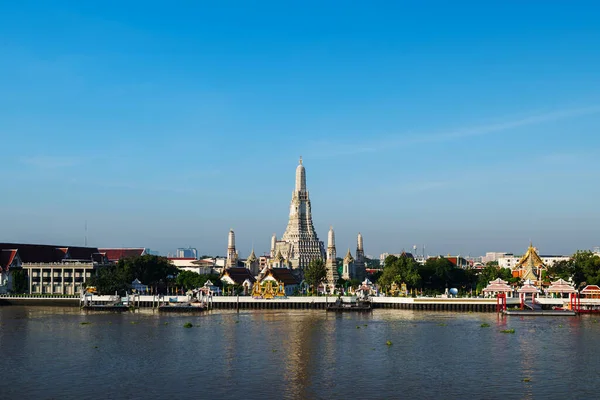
[(530, 259), (348, 258), (284, 275), (238, 275), (278, 257), (561, 286), (252, 256), (498, 285), (528, 287)]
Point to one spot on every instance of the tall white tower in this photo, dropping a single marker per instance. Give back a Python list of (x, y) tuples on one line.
[(232, 256), (299, 243), (331, 263), (359, 261)]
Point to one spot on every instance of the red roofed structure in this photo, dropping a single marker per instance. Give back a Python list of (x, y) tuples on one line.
[(591, 292), (115, 254), (497, 286), (561, 286), (49, 269)]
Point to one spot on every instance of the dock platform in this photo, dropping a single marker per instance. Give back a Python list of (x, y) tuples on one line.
[(542, 313)]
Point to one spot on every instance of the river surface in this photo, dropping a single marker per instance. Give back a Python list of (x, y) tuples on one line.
[(65, 353)]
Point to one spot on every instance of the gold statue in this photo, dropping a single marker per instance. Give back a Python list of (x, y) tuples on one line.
[(268, 291), (256, 290), (280, 290)]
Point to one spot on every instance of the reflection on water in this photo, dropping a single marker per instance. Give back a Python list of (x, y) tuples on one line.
[(65, 353)]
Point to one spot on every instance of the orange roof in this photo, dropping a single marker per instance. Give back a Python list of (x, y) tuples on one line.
[(115, 254), (590, 289), (6, 258), (561, 286)]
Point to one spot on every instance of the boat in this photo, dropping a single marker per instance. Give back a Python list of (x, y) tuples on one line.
[(354, 305)]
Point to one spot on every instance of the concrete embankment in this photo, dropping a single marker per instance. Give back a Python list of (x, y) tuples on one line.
[(290, 303), (39, 301), (430, 304)]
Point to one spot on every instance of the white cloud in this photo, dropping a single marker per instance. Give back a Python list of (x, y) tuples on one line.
[(382, 143)]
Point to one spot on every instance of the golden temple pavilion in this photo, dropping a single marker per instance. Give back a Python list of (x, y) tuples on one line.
[(530, 267)]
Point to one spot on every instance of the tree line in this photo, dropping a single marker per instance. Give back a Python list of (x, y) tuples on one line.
[(439, 273)]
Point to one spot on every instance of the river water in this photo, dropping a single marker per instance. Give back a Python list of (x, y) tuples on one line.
[(65, 353)]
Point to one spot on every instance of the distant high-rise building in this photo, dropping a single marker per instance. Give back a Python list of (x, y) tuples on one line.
[(189, 252)]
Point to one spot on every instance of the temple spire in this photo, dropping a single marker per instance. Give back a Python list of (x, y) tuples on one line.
[(300, 243), (232, 256), (300, 177)]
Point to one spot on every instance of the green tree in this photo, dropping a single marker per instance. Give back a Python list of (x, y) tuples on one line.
[(315, 273), (563, 269), (399, 269), (586, 268), (436, 273), (149, 269), (372, 263), (492, 272), (19, 280), (189, 280)]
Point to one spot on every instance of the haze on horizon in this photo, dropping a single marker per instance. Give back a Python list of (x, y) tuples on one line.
[(464, 127)]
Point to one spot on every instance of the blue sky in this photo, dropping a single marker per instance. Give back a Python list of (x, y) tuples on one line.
[(464, 126)]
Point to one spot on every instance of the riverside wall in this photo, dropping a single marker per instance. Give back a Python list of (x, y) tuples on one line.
[(291, 303)]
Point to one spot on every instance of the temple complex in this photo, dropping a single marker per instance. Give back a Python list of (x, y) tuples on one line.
[(530, 267), (299, 244)]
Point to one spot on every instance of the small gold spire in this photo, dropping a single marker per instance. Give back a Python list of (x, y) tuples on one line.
[(300, 160)]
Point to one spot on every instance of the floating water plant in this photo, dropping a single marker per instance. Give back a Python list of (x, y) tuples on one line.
[(389, 343), (357, 327), (508, 331), (526, 379), (441, 324), (188, 325), (85, 323), (365, 325), (166, 323), (485, 325), (134, 322)]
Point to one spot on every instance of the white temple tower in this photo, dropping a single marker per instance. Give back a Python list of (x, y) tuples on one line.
[(232, 256), (348, 271), (359, 261), (331, 263), (252, 263), (299, 244)]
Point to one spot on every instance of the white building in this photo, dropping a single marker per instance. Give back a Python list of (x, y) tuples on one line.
[(492, 256), (191, 264), (509, 260)]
